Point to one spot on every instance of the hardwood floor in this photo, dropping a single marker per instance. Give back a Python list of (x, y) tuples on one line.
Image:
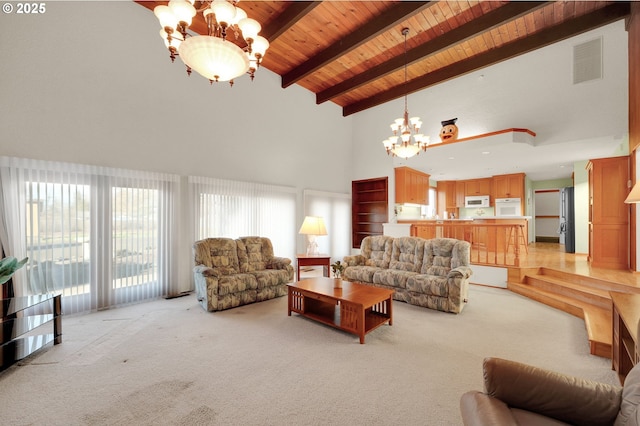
[(553, 256), (567, 281)]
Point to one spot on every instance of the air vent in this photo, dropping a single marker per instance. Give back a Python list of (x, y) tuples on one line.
[(587, 61)]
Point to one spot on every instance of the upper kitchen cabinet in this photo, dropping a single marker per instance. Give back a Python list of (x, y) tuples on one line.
[(412, 186), (509, 186), (460, 193), (478, 187)]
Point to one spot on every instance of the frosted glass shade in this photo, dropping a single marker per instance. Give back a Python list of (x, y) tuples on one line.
[(225, 11), (165, 16), (259, 46), (182, 10), (406, 151), (249, 27), (214, 58)]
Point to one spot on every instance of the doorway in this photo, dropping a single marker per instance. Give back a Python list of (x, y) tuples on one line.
[(547, 216)]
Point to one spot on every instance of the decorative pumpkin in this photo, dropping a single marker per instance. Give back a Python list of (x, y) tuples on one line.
[(449, 131)]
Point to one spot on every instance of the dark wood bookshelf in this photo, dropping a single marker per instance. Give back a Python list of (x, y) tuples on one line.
[(369, 208)]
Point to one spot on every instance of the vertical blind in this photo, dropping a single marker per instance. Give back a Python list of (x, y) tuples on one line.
[(232, 209), (100, 236), (104, 237)]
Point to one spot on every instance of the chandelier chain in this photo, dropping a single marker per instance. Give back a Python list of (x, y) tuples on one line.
[(407, 140)]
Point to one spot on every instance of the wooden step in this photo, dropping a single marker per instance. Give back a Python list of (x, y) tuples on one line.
[(555, 300), (599, 331), (588, 281), (593, 295)]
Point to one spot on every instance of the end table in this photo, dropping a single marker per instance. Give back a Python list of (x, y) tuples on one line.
[(323, 260)]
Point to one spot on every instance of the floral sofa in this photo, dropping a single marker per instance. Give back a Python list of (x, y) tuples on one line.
[(430, 273), (233, 272)]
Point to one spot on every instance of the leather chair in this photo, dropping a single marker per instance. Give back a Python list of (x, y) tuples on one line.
[(520, 394)]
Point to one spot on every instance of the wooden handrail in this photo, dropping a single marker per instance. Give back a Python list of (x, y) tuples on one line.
[(491, 243)]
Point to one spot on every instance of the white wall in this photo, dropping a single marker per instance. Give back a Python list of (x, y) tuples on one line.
[(92, 82)]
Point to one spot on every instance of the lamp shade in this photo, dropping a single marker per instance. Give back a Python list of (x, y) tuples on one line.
[(634, 195), (313, 225)]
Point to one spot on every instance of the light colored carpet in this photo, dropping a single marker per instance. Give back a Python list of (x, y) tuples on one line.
[(170, 362)]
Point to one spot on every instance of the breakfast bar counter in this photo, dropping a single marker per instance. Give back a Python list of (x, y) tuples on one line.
[(493, 237)]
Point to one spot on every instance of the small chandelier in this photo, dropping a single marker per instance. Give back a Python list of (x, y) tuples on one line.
[(406, 128), (212, 55)]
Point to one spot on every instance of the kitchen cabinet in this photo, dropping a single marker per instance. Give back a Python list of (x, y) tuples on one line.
[(509, 186), (460, 193), (412, 186), (478, 187), (369, 208), (451, 195), (423, 231), (448, 197), (608, 213)]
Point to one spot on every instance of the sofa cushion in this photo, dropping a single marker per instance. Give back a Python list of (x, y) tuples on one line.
[(438, 256), (406, 254), (524, 417), (392, 278), (236, 283), (270, 277), (363, 274), (220, 254), (254, 253), (429, 284), (377, 250), (629, 414)]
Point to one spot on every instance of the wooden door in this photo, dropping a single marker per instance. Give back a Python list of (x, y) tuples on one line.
[(608, 213)]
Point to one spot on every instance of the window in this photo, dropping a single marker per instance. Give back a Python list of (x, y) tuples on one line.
[(99, 236), (232, 209)]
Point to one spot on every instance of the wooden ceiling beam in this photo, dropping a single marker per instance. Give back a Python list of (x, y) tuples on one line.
[(296, 11), (497, 17), (567, 29), (397, 13)]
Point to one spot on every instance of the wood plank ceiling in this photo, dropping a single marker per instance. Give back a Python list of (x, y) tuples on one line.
[(352, 52)]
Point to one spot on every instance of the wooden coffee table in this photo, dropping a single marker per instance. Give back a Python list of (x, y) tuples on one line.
[(354, 308)]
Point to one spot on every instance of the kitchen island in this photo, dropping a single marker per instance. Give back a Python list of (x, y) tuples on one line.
[(495, 240)]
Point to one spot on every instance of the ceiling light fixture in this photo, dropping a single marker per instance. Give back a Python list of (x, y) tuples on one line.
[(212, 55), (407, 128)]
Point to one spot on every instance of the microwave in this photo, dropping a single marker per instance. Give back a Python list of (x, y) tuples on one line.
[(475, 201)]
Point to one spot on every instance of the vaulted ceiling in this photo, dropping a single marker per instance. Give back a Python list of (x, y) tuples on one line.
[(352, 53)]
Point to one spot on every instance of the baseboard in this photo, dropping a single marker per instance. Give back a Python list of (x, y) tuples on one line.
[(174, 296), (548, 240)]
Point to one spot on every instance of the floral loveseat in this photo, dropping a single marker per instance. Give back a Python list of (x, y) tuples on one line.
[(431, 273), (229, 273)]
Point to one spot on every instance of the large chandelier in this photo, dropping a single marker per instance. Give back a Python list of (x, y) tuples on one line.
[(407, 140), (212, 55)]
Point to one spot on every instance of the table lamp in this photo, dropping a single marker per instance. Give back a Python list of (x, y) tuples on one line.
[(312, 227)]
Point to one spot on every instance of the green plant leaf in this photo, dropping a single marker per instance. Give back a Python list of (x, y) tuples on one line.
[(8, 266)]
